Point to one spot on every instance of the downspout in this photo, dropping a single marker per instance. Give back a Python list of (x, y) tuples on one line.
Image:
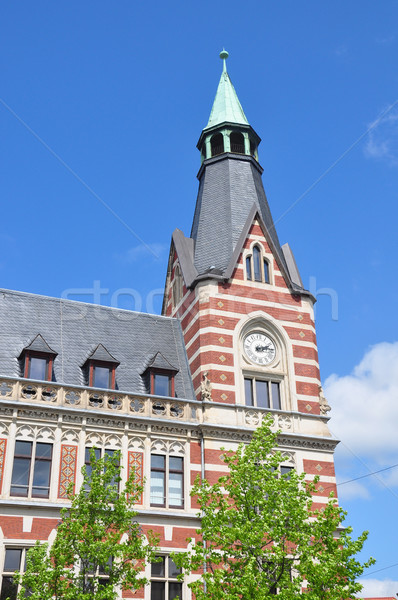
[(202, 473)]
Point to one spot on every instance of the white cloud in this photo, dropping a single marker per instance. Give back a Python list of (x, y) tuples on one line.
[(382, 142), (354, 489), (365, 406), (378, 588), (154, 251)]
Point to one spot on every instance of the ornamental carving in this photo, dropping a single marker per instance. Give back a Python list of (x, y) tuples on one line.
[(136, 405), (45, 434), (48, 394), (252, 418), (113, 441), (72, 398), (115, 402), (159, 446), (323, 403), (284, 422), (25, 432), (70, 435), (5, 389), (205, 388), (29, 392), (38, 415), (136, 444), (104, 422)]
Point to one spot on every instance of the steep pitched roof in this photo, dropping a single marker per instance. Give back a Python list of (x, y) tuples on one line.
[(160, 362), (100, 353), (39, 344), (226, 105), (74, 329), (229, 187)]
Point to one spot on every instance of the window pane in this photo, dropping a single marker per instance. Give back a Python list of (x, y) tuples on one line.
[(44, 450), (13, 559), (286, 471), (266, 271), (20, 476), (275, 394), (256, 264), (23, 448), (8, 589), (157, 461), (157, 487), (41, 478), (248, 267), (97, 454), (174, 571), (249, 392), (157, 568), (101, 377), (162, 385), (175, 489), (175, 590), (157, 590), (175, 463), (262, 394), (37, 368)]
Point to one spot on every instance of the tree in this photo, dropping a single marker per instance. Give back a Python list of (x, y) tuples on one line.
[(99, 546), (260, 536)]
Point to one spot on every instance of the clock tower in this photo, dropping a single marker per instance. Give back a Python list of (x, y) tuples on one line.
[(247, 319)]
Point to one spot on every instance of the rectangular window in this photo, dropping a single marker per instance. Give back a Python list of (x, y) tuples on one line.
[(31, 469), (164, 584), (262, 393), (98, 453), (102, 377), (161, 385), (38, 367), (167, 481), (15, 560)]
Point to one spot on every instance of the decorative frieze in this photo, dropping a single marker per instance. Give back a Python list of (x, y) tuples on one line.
[(67, 470)]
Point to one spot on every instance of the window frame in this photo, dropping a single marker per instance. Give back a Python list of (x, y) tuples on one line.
[(166, 481), (270, 381), (33, 460), (152, 382), (103, 451), (49, 358), (102, 364), (10, 574), (264, 265), (165, 579)]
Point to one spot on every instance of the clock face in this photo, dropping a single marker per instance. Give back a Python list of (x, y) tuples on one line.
[(259, 348)]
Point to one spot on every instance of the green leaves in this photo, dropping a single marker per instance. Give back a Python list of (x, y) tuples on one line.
[(99, 548), (260, 537)]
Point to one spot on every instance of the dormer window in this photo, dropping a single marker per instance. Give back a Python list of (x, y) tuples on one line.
[(257, 266), (100, 369), (159, 376), (37, 360)]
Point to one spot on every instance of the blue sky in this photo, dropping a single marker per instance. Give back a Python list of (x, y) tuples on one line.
[(101, 106)]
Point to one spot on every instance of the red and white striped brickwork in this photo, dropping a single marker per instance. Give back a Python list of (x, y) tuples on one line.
[(214, 316)]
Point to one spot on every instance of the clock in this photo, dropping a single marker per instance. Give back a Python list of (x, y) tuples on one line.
[(259, 348)]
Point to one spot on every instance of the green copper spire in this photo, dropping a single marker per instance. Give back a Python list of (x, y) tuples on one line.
[(226, 106)]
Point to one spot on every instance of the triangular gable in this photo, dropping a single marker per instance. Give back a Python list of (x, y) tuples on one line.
[(158, 361), (39, 344), (100, 353), (184, 248), (292, 278)]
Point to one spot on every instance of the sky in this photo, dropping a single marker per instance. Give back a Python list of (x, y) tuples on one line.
[(101, 107)]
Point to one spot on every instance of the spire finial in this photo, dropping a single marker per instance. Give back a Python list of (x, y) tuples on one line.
[(224, 55)]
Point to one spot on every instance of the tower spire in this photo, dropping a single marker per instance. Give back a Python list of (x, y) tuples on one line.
[(226, 105)]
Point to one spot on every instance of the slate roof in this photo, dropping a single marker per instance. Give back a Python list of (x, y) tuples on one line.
[(75, 329), (229, 187), (38, 344)]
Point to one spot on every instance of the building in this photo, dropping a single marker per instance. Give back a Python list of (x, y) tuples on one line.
[(236, 340)]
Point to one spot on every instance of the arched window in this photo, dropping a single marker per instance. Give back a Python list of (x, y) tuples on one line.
[(177, 286), (257, 266), (266, 270), (237, 142), (217, 144), (257, 263)]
